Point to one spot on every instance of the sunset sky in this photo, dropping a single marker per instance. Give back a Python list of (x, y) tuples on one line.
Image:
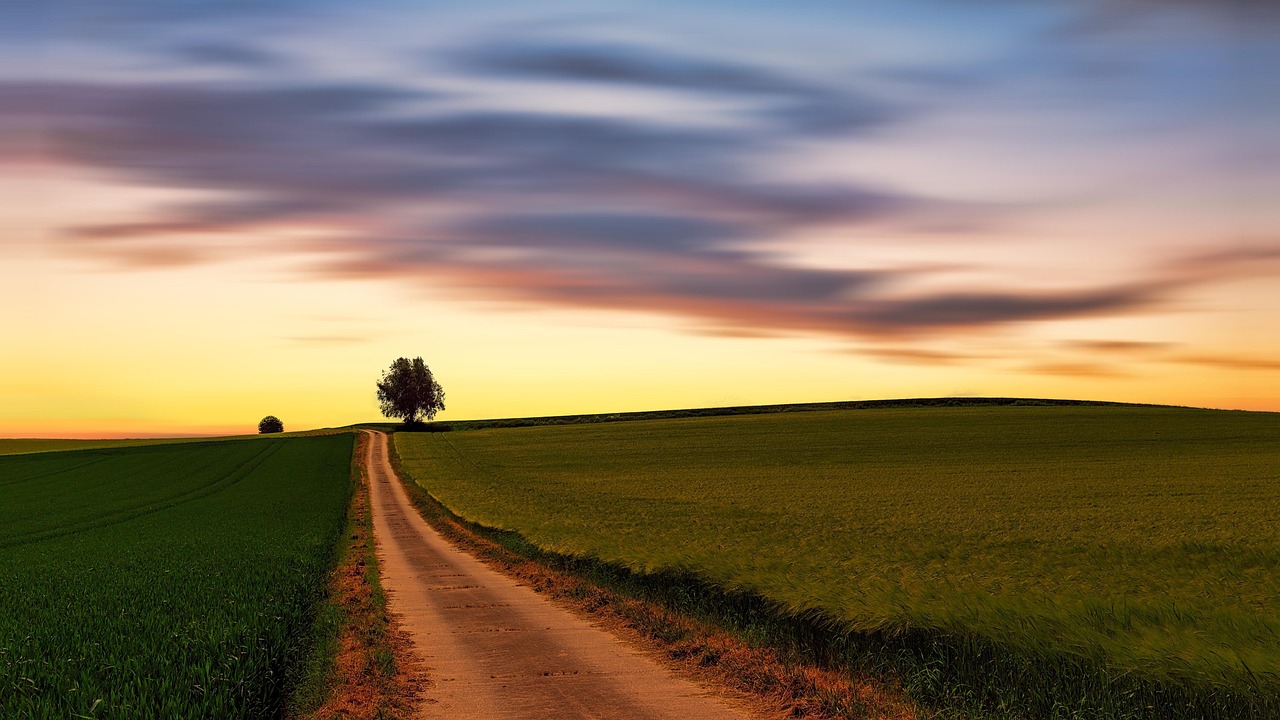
[(215, 211)]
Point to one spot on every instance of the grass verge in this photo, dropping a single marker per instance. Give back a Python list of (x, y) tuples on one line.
[(699, 643), (361, 666)]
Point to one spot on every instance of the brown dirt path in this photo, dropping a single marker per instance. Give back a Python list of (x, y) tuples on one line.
[(495, 649)]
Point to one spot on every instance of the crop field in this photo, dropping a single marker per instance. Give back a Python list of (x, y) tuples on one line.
[(164, 581), (1068, 561), (20, 446)]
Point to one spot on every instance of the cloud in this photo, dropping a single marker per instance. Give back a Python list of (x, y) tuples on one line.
[(623, 65), (1096, 18), (1119, 347), (230, 54), (1231, 362), (803, 106), (1075, 369), (248, 138), (150, 255), (977, 309), (917, 356), (1238, 14), (141, 20), (621, 261), (206, 217), (513, 201), (300, 148), (730, 289), (1259, 258), (1160, 351), (603, 230)]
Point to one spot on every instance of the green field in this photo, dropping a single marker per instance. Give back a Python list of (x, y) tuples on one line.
[(1140, 545), (164, 581), (21, 446)]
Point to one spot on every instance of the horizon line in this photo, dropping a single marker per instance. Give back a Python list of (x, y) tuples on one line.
[(239, 430)]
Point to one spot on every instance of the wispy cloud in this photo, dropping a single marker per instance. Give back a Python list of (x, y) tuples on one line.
[(1238, 15), (228, 54), (1076, 369), (1119, 347), (801, 105), (1231, 362), (914, 355), (561, 209), (978, 309), (569, 206)]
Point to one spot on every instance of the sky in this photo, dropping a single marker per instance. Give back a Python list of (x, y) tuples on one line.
[(216, 211)]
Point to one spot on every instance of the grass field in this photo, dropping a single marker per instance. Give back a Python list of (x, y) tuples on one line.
[(164, 581), (1118, 561), (22, 446)]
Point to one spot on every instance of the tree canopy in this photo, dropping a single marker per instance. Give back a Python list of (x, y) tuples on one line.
[(409, 391), (270, 424)]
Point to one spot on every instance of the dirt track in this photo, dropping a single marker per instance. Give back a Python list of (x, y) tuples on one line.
[(496, 649)]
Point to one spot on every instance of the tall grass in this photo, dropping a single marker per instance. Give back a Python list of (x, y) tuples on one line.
[(1025, 562)]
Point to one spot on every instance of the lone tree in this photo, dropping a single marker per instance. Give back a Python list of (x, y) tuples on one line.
[(408, 391), (270, 424)]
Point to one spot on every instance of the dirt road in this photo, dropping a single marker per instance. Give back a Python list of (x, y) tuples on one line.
[(495, 649)]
